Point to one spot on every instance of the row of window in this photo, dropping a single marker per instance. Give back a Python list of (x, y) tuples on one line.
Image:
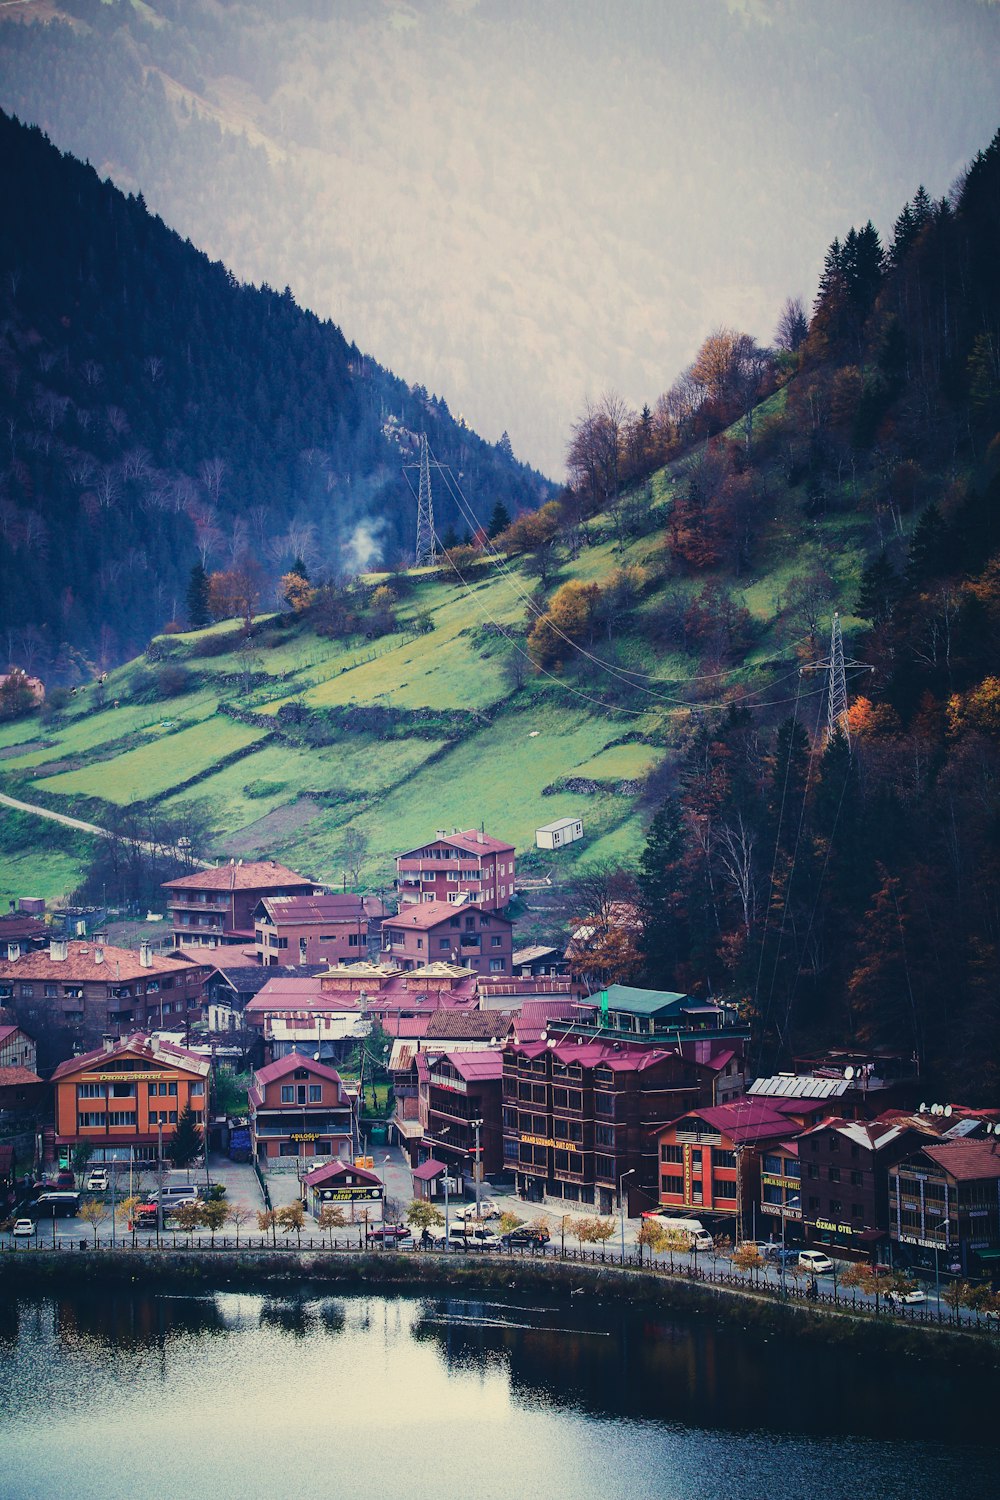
[(833, 1174), (75, 991), (721, 1188), (296, 1094), (126, 1090)]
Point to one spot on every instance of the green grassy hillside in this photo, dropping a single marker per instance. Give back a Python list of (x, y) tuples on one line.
[(285, 751)]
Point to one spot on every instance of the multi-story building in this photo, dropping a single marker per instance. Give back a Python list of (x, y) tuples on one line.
[(296, 1014), (214, 908), (315, 929), (300, 1109), (709, 1159), (456, 868), (580, 1116), (844, 1167), (471, 936), (17, 1050), (87, 989), (944, 1206), (459, 1111), (124, 1099)]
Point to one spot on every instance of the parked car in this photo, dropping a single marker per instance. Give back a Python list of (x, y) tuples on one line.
[(183, 1192), (392, 1234), (525, 1237), (471, 1237), (815, 1261), (781, 1254), (97, 1181), (902, 1299), (24, 1228)]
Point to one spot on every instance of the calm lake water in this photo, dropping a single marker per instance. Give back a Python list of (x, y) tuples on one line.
[(238, 1394)]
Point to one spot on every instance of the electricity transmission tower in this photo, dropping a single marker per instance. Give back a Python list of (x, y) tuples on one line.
[(835, 666), (426, 549)]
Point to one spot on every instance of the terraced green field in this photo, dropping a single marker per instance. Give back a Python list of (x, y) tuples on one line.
[(292, 790)]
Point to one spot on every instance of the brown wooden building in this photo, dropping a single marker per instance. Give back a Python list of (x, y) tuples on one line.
[(456, 868), (214, 908), (437, 931)]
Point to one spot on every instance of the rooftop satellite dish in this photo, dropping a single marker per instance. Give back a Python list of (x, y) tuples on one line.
[(947, 1111), (848, 1074), (923, 1109)]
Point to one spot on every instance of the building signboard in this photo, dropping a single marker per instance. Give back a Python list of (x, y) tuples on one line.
[(350, 1195), (544, 1140), (833, 1227)]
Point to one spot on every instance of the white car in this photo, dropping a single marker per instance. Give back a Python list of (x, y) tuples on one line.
[(97, 1182), (815, 1261), (902, 1298), (24, 1227)]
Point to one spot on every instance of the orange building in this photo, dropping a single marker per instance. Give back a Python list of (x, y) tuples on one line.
[(126, 1098)]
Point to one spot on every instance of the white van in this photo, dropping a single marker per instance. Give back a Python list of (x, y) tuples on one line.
[(697, 1236)]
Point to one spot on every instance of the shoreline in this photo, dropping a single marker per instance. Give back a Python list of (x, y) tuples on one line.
[(410, 1273)]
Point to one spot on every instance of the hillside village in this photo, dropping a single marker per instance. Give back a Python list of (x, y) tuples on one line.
[(499, 1072)]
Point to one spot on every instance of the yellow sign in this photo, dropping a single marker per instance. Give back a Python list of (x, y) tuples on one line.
[(363, 1161), (834, 1228), (122, 1077)]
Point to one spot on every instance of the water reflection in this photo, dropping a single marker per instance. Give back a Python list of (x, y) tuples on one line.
[(592, 1400)]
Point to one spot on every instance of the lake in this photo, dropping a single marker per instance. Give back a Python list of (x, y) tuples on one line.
[(110, 1394)]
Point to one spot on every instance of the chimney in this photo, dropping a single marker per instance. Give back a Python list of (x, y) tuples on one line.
[(108, 1041), (98, 953), (13, 952), (441, 834), (481, 837), (145, 955), (58, 950)]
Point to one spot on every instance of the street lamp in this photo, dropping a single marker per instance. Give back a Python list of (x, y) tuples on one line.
[(621, 1205), (447, 1220), (385, 1163), (477, 1126)]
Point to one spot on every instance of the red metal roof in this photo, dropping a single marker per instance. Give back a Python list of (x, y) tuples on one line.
[(286, 1065), (470, 840), (81, 965), (968, 1161), (476, 1065), (427, 914), (334, 1170), (429, 1170), (253, 875)]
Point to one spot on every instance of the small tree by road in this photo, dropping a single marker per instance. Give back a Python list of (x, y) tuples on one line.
[(239, 1215), (331, 1217), (188, 1217), (185, 1143), (267, 1222), (292, 1218), (94, 1213), (748, 1259), (130, 1208), (215, 1216), (651, 1236)]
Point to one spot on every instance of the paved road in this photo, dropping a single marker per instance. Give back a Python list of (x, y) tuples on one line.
[(145, 845)]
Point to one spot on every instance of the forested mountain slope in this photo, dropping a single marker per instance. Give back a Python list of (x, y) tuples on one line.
[(154, 410), (647, 653)]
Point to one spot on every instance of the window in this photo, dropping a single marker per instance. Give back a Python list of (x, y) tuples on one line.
[(287, 1094), (50, 991), (604, 1166), (604, 1104), (444, 943), (496, 965), (88, 1091), (172, 1090), (672, 1153), (27, 990), (856, 1179), (88, 1118), (604, 1135), (197, 1088), (315, 1093), (725, 1189), (496, 942), (123, 1091), (722, 1158), (121, 1117), (812, 1170), (834, 1174), (420, 942), (300, 1094)]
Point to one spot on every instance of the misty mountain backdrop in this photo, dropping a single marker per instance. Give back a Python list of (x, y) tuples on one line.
[(518, 205), (155, 412)]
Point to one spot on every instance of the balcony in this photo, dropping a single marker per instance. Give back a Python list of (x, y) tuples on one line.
[(220, 906)]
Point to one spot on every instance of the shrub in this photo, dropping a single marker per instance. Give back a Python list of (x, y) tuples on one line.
[(172, 680)]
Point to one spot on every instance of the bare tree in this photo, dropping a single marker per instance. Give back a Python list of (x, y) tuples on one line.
[(793, 326)]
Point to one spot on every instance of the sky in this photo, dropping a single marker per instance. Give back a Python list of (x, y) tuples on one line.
[(521, 204)]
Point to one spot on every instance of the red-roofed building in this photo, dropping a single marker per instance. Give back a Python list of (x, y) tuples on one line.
[(299, 1015), (580, 1113), (944, 1207), (457, 868), (214, 908), (299, 1108), (125, 1098), (17, 1050), (478, 938), (709, 1159), (88, 989), (455, 1090), (329, 929), (340, 1184)]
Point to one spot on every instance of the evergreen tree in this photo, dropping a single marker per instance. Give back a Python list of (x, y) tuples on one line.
[(299, 567), (662, 942), (499, 520), (879, 592), (185, 1143), (197, 598), (931, 547), (504, 446), (450, 538)]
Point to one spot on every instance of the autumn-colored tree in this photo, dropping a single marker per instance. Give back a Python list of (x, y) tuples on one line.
[(267, 1222), (331, 1217), (297, 592), (94, 1213), (881, 988), (235, 592), (566, 622), (291, 1218), (215, 1215), (977, 710), (188, 1217)]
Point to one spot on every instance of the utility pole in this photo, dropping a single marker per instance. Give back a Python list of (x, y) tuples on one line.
[(477, 1126)]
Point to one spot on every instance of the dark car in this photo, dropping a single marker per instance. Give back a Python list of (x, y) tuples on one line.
[(781, 1254), (524, 1238), (392, 1234)]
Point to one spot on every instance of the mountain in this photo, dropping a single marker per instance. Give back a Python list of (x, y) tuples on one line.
[(519, 205), (156, 411), (652, 653)]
